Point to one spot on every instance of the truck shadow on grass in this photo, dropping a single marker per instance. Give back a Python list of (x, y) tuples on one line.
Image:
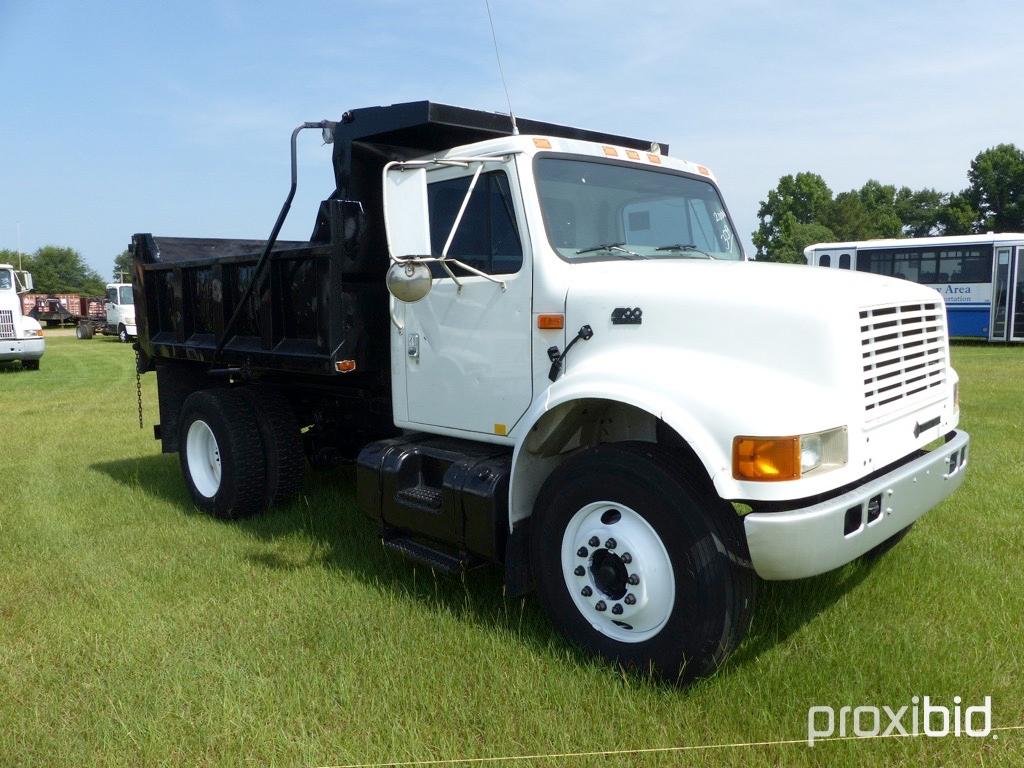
[(338, 536)]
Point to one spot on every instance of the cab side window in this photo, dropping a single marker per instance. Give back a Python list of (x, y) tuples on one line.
[(487, 237), (112, 295)]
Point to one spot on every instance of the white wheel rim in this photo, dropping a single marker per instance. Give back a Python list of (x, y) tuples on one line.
[(203, 456), (626, 591)]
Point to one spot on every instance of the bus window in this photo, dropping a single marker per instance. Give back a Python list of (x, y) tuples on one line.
[(825, 260), (844, 261)]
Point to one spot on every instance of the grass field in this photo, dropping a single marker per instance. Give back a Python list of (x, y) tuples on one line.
[(136, 631)]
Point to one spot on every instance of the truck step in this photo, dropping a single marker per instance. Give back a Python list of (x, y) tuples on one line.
[(437, 559), (423, 496)]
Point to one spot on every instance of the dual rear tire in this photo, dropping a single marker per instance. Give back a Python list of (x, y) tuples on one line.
[(240, 450)]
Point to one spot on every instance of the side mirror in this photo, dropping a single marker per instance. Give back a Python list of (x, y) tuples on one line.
[(24, 281), (409, 280), (406, 218)]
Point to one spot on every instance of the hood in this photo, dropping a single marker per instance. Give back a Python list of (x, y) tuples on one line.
[(793, 319)]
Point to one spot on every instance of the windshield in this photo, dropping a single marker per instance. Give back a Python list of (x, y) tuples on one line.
[(126, 295), (598, 210), (5, 280)]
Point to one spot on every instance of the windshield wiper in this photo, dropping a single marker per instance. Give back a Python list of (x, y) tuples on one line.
[(615, 248), (686, 247)]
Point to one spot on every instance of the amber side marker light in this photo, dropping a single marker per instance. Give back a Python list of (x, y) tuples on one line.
[(551, 322), (345, 366), (766, 458), (540, 143)]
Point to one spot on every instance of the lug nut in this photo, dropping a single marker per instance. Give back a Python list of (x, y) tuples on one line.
[(600, 606), (580, 570), (594, 541), (633, 579), (617, 609), (610, 544), (582, 552), (586, 591), (630, 599), (627, 558)]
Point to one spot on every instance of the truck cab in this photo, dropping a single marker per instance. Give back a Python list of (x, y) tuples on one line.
[(119, 306), (21, 337), (545, 350)]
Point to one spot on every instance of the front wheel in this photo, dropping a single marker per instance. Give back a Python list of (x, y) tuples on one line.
[(637, 564), (221, 454), (122, 334)]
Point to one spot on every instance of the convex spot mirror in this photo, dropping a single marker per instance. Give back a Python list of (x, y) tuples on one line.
[(409, 280)]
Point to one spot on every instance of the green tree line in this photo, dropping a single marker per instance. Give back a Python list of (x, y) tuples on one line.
[(802, 210), (57, 269)]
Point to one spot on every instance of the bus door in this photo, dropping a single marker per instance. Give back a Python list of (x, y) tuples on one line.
[(1007, 294), (1017, 300)]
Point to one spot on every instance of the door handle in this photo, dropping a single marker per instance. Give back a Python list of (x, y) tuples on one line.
[(413, 347)]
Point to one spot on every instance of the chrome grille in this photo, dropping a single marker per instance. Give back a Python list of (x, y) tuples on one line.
[(6, 324), (903, 348)]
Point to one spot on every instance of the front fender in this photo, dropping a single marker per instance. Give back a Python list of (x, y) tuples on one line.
[(706, 399)]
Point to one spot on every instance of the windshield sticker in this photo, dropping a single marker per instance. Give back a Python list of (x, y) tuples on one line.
[(726, 236)]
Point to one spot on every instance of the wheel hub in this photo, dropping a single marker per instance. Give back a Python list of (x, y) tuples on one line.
[(203, 456), (609, 573), (617, 571)]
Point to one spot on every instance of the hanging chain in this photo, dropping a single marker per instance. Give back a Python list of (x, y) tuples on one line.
[(138, 383)]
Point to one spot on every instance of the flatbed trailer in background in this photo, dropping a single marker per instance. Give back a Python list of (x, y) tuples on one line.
[(61, 308)]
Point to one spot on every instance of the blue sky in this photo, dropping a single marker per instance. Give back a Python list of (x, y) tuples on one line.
[(174, 117)]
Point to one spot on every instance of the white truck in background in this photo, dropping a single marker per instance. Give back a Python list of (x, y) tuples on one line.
[(21, 337), (119, 315)]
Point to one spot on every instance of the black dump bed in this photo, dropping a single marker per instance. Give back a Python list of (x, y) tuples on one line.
[(320, 307), (315, 303)]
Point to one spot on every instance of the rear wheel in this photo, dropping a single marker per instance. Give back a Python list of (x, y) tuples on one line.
[(221, 454), (80, 332), (638, 565), (282, 443)]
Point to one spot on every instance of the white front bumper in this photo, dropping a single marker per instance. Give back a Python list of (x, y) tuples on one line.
[(812, 540), (22, 349)]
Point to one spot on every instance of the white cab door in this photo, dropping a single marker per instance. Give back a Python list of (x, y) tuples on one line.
[(112, 307), (467, 350)]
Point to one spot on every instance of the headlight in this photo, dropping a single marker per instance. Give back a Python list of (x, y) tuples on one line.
[(788, 458), (956, 395), (33, 331)]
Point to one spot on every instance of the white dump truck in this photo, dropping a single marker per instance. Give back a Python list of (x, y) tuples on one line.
[(21, 337), (546, 351)]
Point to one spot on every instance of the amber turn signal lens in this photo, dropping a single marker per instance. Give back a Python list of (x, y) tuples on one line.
[(766, 458), (345, 366), (551, 322)]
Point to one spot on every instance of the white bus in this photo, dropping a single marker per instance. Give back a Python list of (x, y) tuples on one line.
[(981, 277)]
